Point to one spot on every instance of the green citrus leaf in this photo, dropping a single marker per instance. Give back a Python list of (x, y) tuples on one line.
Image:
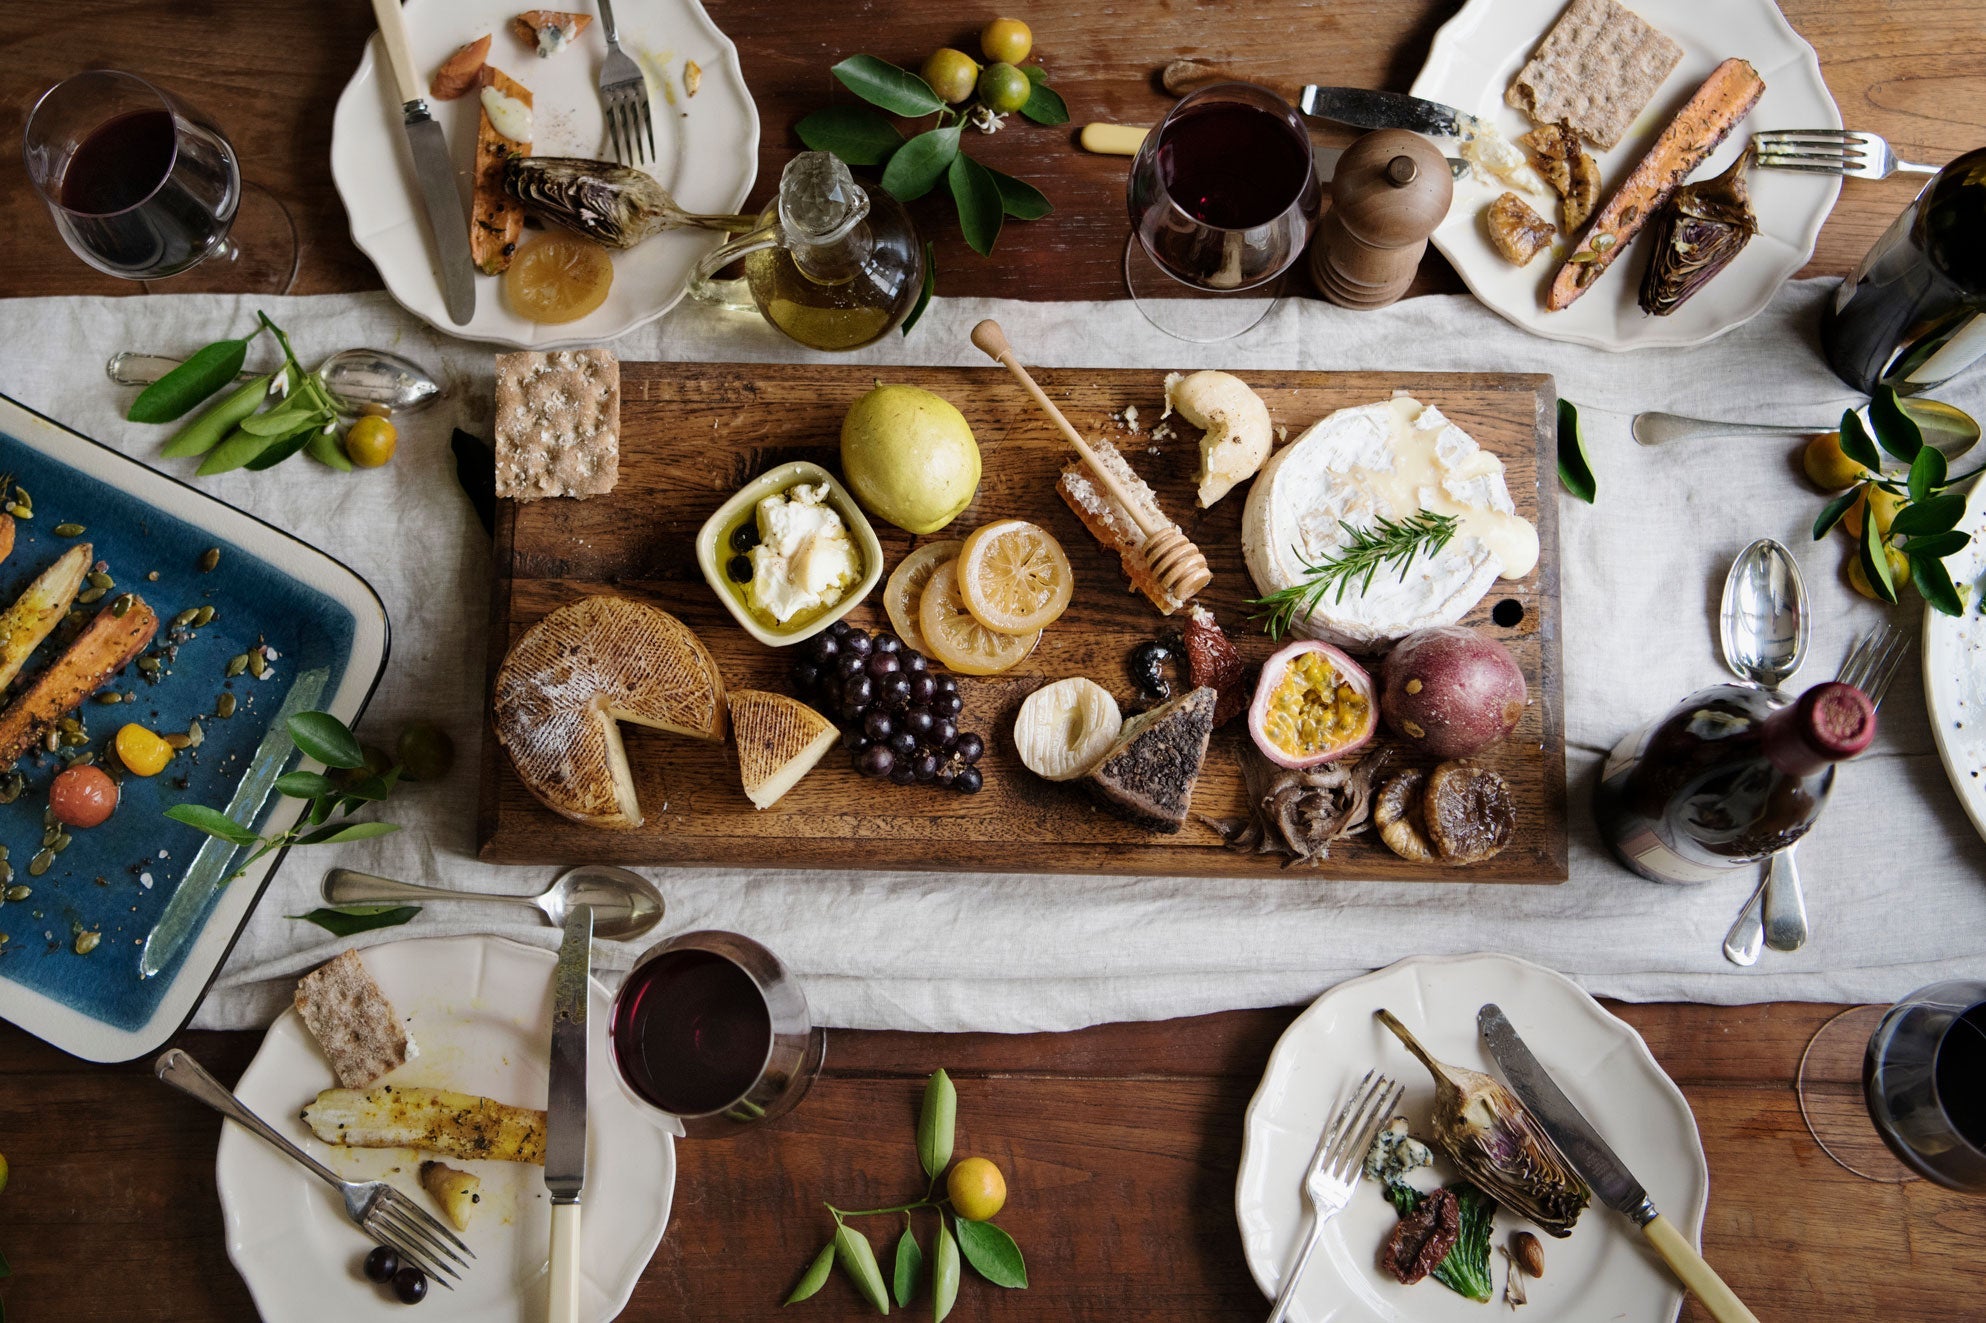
[(213, 822), (992, 1254), (1575, 473), (1896, 430), (284, 446), (937, 1123), (1927, 473), (930, 287), (944, 1273), (1832, 512), (881, 83), (909, 1263), (1875, 560), (812, 1280), (1855, 442), (919, 164), (218, 420), (859, 135), (233, 452), (851, 1250), (1939, 514), (324, 448), (1934, 582), (350, 831), (358, 918), (326, 739), (305, 785), (1035, 73), (977, 197), (1937, 545), (1045, 105), (1020, 199), (191, 382)]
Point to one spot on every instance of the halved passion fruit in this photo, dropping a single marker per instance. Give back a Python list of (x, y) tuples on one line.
[(1312, 704)]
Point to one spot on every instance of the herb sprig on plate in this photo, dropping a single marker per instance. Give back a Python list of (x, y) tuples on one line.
[(1365, 553)]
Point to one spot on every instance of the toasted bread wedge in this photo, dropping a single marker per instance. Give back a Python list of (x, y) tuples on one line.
[(496, 219), (106, 646), (6, 536), (461, 72), (456, 1191), (39, 609), (548, 31)]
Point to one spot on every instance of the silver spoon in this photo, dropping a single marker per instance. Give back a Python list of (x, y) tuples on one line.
[(358, 380), (1763, 626), (625, 904), (1950, 430)]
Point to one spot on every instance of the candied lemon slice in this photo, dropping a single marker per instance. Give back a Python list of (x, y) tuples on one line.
[(1014, 577), (905, 589), (956, 638), (559, 278)]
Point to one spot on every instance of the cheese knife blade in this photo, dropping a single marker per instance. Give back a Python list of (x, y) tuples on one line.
[(441, 201), (1364, 108), (565, 1109), (1595, 1160)]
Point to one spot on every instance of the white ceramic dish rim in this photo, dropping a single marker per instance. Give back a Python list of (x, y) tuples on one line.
[(1688, 1218), (1447, 43), (371, 66), (67, 1028), (789, 474), (1942, 658)]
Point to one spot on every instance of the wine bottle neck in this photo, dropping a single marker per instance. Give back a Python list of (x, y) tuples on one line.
[(1827, 724)]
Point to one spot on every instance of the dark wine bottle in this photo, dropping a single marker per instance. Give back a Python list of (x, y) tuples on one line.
[(1727, 778), (1913, 315)]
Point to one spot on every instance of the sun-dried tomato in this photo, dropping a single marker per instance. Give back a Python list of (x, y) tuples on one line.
[(1423, 1238)]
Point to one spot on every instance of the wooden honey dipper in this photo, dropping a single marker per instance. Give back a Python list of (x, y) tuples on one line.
[(1174, 561)]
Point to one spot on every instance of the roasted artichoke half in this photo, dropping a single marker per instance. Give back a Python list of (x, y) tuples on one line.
[(1497, 1144), (1704, 226)]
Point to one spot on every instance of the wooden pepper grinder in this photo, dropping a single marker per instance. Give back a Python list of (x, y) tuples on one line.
[(1391, 189)]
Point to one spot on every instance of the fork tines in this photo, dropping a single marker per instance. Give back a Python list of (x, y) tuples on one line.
[(1341, 1149), (1873, 662), (1820, 151), (412, 1232)]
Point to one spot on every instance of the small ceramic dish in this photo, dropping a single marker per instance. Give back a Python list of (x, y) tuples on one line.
[(711, 554)]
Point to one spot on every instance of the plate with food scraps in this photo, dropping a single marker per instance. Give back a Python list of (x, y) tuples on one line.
[(706, 152), (1477, 55), (479, 1012), (1955, 669), (108, 942), (1598, 1271)]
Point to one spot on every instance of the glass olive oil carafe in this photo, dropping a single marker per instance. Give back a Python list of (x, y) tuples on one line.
[(832, 264)]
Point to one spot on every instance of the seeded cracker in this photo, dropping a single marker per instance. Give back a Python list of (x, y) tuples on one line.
[(558, 424), (1596, 70), (353, 1022)]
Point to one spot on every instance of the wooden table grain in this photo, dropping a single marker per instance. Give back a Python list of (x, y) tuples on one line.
[(1120, 1142)]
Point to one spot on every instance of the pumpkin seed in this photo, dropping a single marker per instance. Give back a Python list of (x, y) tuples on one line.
[(258, 664), (98, 579), (72, 741), (86, 941), (185, 618), (21, 495), (20, 891), (176, 740), (236, 665), (209, 559), (44, 860), (61, 842), (83, 759), (224, 706), (10, 790), (69, 725), (110, 696), (69, 530), (89, 595), (194, 735), (121, 605), (203, 617), (3, 939), (49, 834), (148, 663), (4, 852)]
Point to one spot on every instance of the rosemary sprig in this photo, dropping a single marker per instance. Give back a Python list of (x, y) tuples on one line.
[(1364, 552)]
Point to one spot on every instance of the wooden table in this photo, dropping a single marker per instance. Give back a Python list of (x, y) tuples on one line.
[(1120, 1142)]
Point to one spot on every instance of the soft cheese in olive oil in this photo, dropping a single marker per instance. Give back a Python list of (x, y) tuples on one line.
[(790, 557)]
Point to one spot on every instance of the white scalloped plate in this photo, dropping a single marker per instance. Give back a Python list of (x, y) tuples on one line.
[(1601, 1271), (1955, 670), (1472, 60), (480, 1009), (706, 148)]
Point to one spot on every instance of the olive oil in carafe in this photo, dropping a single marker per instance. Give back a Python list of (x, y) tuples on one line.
[(845, 314)]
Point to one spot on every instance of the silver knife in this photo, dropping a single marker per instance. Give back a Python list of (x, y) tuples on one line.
[(1604, 1171), (565, 1109), (448, 223), (1363, 108)]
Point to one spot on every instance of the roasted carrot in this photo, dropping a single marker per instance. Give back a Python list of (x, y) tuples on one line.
[(106, 646), (460, 72), (1726, 97), (495, 219)]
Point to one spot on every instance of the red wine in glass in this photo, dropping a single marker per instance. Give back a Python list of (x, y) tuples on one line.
[(1924, 1078)]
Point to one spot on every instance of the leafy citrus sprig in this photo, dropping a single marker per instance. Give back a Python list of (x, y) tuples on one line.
[(990, 1251), (327, 739), (1925, 529), (1365, 551)]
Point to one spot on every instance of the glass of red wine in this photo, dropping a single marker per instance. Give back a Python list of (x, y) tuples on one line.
[(711, 1029), (143, 188), (1223, 194), (1899, 1092)]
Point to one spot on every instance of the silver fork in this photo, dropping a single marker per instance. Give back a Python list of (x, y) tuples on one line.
[(1776, 914), (1336, 1167), (1831, 152), (379, 1210), (624, 97)]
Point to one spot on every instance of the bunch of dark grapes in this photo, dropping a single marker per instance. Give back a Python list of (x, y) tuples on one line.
[(897, 718)]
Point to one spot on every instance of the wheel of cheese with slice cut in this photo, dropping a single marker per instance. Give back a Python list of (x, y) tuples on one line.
[(567, 683)]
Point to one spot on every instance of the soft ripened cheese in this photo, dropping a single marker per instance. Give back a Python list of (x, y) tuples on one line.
[(509, 115), (804, 559), (1388, 460)]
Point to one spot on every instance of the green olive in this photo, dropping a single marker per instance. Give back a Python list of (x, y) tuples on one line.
[(426, 751)]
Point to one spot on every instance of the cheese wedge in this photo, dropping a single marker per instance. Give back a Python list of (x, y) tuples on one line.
[(496, 220), (779, 741), (566, 683)]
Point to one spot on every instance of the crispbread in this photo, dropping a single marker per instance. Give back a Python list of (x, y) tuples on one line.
[(1112, 525), (1596, 70), (558, 424), (353, 1022)]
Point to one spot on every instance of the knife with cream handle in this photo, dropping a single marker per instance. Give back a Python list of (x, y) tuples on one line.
[(1125, 140), (1591, 1156), (565, 1109)]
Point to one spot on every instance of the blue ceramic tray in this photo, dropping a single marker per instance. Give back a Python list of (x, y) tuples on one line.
[(155, 889)]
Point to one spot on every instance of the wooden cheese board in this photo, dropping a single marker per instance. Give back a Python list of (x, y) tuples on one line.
[(692, 434)]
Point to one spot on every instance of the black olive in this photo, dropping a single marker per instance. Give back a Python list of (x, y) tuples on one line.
[(745, 536), (1147, 666), (740, 569)]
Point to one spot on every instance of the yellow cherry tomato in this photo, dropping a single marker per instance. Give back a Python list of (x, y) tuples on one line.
[(371, 441), (977, 1189), (952, 74), (1007, 40), (142, 752)]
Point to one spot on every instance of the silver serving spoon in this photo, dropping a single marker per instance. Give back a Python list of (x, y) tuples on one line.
[(1763, 626), (625, 904), (1950, 430), (358, 380)]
